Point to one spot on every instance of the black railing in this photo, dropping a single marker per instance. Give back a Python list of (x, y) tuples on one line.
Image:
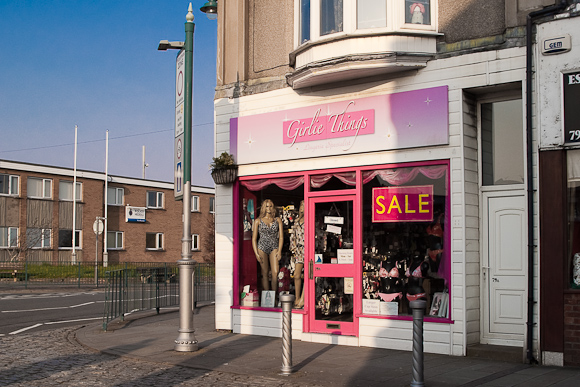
[(143, 288)]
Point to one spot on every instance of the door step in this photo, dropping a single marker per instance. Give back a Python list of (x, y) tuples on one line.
[(496, 352)]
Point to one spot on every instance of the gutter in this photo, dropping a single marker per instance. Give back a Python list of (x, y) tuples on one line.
[(532, 16)]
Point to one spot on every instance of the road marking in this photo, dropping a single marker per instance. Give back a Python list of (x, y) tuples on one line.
[(25, 329), (55, 308), (51, 323)]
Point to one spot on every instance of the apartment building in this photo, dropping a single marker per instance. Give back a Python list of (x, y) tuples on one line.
[(144, 222)]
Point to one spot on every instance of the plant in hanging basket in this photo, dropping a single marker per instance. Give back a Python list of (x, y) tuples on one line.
[(224, 169)]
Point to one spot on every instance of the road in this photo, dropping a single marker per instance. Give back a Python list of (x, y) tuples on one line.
[(21, 313)]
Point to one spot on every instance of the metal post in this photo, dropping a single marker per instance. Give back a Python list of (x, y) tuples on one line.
[(97, 261), (287, 300), (186, 341), (418, 308)]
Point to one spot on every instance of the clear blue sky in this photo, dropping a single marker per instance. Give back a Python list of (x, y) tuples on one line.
[(95, 64)]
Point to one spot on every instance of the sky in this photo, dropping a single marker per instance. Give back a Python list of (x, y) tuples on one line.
[(95, 64)]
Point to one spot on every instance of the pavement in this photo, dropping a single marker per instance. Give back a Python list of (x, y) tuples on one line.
[(225, 358)]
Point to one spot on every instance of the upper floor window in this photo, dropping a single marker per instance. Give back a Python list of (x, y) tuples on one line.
[(8, 184), (8, 237), (115, 196), (37, 238), (65, 190), (154, 241), (212, 204), (154, 199), (319, 18), (195, 204), (115, 240), (39, 188)]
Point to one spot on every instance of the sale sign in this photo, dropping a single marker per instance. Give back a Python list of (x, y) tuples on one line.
[(403, 204)]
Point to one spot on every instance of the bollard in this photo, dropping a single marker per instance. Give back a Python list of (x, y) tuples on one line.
[(418, 308), (287, 300)]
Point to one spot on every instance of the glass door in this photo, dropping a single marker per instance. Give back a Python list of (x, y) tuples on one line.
[(332, 273)]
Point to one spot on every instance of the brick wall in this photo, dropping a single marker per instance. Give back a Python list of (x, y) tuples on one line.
[(572, 329)]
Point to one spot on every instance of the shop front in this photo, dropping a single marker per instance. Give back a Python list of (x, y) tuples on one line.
[(353, 244)]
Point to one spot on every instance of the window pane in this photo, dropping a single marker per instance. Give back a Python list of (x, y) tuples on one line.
[(46, 238), (47, 188), (119, 240), (13, 185), (65, 190), (371, 14), (33, 237), (4, 184), (151, 199), (64, 238), (330, 16), (304, 21), (212, 204), (418, 11), (34, 187), (120, 192), (502, 143)]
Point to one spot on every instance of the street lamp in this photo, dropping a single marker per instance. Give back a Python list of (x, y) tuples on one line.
[(210, 9), (186, 341)]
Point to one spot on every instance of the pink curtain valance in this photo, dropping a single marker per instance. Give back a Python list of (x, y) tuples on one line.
[(286, 183), (399, 176)]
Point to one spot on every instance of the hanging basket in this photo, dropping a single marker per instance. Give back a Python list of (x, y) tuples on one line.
[(224, 175)]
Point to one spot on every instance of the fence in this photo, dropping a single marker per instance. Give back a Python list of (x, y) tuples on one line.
[(142, 288), (79, 274)]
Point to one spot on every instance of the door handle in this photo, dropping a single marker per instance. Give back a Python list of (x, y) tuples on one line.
[(311, 269)]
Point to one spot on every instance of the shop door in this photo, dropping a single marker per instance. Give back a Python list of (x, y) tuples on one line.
[(332, 260), (504, 269)]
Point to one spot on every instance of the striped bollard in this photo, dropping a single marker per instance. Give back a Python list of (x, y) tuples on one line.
[(287, 300), (418, 308)]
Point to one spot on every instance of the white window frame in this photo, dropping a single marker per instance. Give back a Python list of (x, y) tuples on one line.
[(46, 186), (195, 242), (395, 21), (117, 233), (78, 192), (159, 241), (195, 203), (78, 240), (117, 190), (13, 187), (212, 204), (159, 196), (11, 237), (45, 242)]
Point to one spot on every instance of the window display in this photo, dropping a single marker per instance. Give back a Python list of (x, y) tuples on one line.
[(573, 170), (403, 238)]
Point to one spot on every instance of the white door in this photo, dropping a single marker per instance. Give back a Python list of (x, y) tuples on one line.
[(504, 268)]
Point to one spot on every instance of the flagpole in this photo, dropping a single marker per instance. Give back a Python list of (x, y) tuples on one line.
[(105, 253), (74, 211)]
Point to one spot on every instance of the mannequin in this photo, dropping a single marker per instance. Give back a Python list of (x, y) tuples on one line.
[(435, 241), (297, 249), (416, 271), (267, 239)]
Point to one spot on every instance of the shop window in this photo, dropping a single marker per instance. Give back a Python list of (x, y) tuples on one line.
[(65, 190), (115, 196), (333, 181), (38, 188), (195, 203), (114, 240), (9, 184), (154, 241), (65, 239), (274, 204), (403, 246), (8, 237), (154, 199), (37, 238), (573, 170), (502, 143)]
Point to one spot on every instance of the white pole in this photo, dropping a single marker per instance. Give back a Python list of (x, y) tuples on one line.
[(74, 220), (144, 165), (105, 253)]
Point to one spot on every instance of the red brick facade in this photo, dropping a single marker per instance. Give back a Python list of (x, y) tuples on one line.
[(572, 329), (167, 220)]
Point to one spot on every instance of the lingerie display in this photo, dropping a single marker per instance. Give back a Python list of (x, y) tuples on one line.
[(268, 236)]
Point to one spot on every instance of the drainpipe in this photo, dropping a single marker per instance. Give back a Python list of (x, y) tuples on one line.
[(551, 10)]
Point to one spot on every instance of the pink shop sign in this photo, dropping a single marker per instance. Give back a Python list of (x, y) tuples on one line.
[(409, 119), (347, 123), (403, 204)]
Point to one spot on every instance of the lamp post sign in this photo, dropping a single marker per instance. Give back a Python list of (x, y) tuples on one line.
[(179, 125)]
